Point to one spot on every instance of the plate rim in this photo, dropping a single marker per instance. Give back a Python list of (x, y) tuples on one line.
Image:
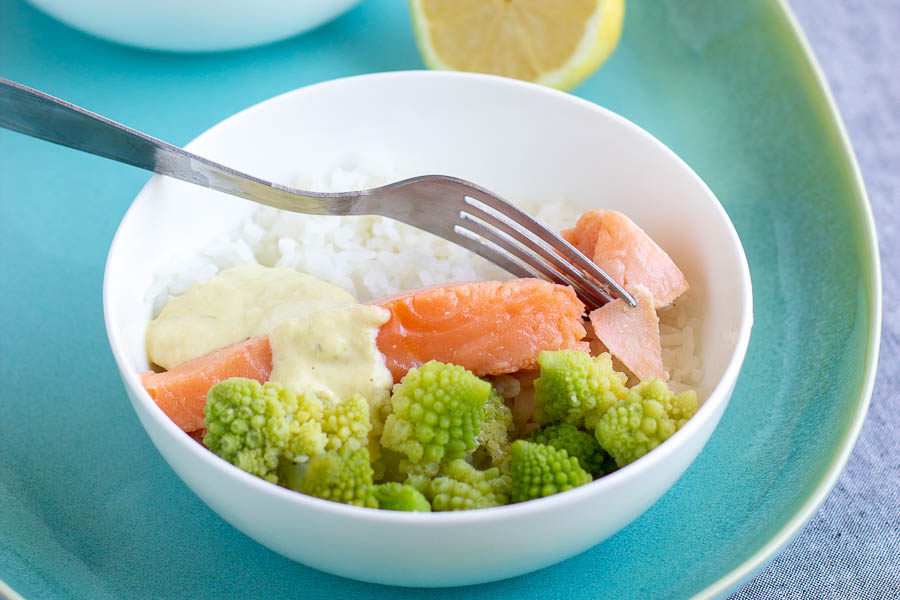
[(752, 565), (743, 572)]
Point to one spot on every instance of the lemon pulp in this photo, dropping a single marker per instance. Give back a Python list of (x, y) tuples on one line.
[(553, 42)]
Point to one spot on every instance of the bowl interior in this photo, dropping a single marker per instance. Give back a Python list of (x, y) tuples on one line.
[(521, 141)]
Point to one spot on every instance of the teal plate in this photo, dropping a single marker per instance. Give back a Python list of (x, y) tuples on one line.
[(88, 509)]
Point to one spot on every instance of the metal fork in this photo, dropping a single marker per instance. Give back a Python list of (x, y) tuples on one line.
[(454, 209)]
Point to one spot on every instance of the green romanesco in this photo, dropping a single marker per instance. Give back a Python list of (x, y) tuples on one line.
[(294, 423), (575, 387), (343, 475), (379, 409), (395, 466), (387, 465), (496, 433), (255, 426), (347, 422), (398, 496), (648, 415), (462, 487), (538, 470), (577, 443), (436, 413)]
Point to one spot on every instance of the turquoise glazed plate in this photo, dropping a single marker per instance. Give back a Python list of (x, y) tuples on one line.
[(88, 509)]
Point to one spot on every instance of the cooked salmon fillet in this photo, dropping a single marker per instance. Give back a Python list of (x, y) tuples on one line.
[(181, 392), (627, 254), (197, 435), (632, 334), (488, 327)]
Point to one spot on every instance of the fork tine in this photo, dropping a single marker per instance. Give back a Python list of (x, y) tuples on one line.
[(492, 252), (542, 240), (592, 297), (563, 269), (548, 262)]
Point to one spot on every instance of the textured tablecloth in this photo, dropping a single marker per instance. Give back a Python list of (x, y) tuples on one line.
[(851, 547)]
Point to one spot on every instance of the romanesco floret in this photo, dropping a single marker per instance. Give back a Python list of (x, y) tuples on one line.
[(436, 412), (577, 443), (254, 426), (379, 409), (293, 422), (496, 433), (574, 386), (343, 475), (347, 422), (463, 487), (648, 415), (538, 470), (398, 496)]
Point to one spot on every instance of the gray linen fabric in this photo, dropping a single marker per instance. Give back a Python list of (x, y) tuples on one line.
[(851, 547)]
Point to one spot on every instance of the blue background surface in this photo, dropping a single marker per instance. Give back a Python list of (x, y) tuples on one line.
[(89, 509)]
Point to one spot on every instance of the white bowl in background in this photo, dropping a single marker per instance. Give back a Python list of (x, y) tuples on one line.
[(519, 140), (194, 25)]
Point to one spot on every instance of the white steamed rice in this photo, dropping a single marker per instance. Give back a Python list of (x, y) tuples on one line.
[(374, 257)]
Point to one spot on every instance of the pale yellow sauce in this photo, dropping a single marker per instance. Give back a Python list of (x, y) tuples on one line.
[(332, 352), (236, 304), (322, 340)]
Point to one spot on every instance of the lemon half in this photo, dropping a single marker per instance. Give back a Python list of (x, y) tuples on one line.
[(557, 43)]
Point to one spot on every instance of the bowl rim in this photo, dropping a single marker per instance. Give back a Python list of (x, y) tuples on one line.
[(717, 396)]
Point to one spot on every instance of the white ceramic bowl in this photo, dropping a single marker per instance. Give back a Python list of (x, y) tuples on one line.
[(194, 25), (517, 139)]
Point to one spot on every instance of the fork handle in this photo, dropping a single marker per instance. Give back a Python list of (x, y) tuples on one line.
[(29, 111)]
